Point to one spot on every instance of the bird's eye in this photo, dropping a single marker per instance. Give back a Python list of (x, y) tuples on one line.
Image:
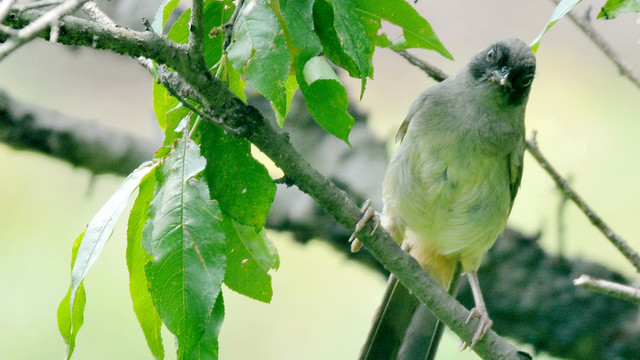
[(524, 81), (491, 55)]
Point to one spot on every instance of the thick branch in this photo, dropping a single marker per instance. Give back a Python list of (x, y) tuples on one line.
[(596, 220), (78, 142), (31, 31), (80, 32)]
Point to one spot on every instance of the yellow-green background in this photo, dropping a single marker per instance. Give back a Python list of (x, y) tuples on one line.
[(588, 122)]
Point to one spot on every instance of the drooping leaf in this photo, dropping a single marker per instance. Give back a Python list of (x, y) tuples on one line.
[(325, 97), (162, 15), (343, 37), (99, 231), (290, 87), (240, 184), (137, 258), (259, 53), (250, 256), (416, 31), (207, 348), (71, 320), (613, 8), (298, 18), (184, 235), (560, 11)]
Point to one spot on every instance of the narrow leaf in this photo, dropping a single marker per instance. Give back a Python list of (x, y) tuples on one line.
[(137, 258), (207, 348), (162, 15), (70, 320), (560, 11), (100, 229), (250, 256), (240, 184), (325, 97), (258, 51), (614, 8), (417, 32), (185, 237)]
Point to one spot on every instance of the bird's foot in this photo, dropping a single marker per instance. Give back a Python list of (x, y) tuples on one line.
[(368, 213), (483, 327)]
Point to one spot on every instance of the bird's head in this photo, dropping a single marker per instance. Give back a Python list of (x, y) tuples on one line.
[(507, 66)]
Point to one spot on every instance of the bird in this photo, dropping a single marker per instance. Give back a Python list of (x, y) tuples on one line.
[(451, 183)]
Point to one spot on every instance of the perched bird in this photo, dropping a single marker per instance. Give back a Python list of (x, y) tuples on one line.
[(451, 183)]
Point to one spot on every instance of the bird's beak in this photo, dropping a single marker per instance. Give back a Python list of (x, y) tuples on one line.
[(500, 76)]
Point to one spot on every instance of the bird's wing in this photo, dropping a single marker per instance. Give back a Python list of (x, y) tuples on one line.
[(403, 128), (515, 168)]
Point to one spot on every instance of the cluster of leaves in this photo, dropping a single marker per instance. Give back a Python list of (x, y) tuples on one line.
[(198, 219)]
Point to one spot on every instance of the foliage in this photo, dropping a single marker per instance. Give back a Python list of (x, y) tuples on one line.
[(614, 8), (198, 218)]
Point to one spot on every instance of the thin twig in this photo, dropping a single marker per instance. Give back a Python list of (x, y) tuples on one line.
[(37, 4), (228, 27), (563, 184), (609, 288), (196, 27), (585, 24), (32, 30), (432, 71)]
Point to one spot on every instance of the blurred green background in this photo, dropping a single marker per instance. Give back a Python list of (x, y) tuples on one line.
[(586, 115)]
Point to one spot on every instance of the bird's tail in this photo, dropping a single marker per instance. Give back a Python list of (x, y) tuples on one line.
[(404, 329)]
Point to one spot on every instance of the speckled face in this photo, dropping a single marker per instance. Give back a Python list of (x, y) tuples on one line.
[(509, 66)]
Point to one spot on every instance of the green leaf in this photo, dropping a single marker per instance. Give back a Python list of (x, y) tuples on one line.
[(162, 15), (259, 53), (240, 184), (325, 97), (100, 229), (298, 18), (417, 32), (614, 8), (342, 35), (290, 86), (234, 80), (207, 348), (169, 110), (137, 258), (560, 11), (250, 256), (67, 316), (185, 237)]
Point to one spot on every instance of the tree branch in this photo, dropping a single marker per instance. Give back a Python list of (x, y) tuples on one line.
[(80, 32), (596, 220), (31, 31), (196, 28), (432, 71), (82, 144), (584, 23), (609, 288)]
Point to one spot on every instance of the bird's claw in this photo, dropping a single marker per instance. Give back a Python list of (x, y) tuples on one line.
[(368, 213), (484, 325)]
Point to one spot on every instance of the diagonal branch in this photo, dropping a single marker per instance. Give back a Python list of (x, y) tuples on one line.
[(220, 103), (596, 220)]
